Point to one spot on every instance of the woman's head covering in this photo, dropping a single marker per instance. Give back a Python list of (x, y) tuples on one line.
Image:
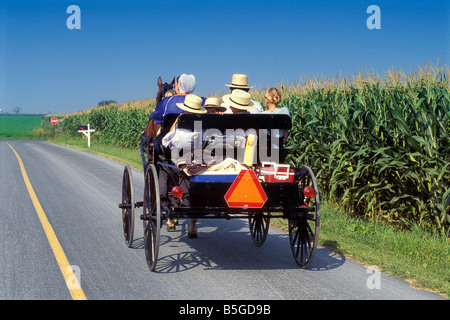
[(186, 83)]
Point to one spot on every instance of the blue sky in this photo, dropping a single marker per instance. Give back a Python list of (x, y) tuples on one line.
[(123, 46)]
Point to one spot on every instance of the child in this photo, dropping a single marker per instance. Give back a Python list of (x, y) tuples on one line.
[(272, 99)]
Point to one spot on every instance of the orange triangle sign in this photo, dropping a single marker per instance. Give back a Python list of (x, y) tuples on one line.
[(246, 191)]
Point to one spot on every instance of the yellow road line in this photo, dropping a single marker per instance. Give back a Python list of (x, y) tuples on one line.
[(66, 269)]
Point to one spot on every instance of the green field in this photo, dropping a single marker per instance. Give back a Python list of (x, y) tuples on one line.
[(19, 126)]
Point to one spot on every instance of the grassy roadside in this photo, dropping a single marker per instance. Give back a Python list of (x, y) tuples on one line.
[(415, 256), (131, 157), (419, 258)]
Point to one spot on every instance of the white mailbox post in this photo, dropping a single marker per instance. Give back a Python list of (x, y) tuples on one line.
[(86, 130)]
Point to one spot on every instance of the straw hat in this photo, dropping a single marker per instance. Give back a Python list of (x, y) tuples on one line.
[(214, 102), (239, 81), (192, 103), (239, 99)]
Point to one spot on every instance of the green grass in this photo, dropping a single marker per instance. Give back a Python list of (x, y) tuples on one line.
[(414, 255), (19, 126), (128, 156)]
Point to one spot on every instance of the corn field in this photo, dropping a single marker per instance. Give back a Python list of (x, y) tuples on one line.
[(113, 124), (379, 146)]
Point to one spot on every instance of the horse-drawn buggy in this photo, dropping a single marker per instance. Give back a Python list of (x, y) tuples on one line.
[(234, 168)]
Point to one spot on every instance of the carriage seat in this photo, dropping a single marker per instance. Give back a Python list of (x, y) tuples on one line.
[(230, 131)]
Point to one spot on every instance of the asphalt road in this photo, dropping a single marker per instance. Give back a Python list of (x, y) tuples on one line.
[(79, 193)]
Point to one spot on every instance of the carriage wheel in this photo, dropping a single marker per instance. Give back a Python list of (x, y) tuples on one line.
[(304, 228), (152, 216), (259, 227), (127, 206)]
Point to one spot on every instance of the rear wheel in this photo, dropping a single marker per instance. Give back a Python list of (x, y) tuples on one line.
[(259, 228), (151, 216), (127, 206), (304, 225)]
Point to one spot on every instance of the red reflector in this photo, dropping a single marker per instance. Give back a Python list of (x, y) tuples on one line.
[(308, 192), (177, 192)]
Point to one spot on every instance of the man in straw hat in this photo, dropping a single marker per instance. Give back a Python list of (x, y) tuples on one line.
[(240, 82), (183, 139), (212, 105), (239, 101)]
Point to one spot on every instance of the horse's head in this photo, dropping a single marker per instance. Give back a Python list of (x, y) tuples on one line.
[(164, 87)]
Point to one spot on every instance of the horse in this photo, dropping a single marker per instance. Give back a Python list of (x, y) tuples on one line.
[(163, 88), (152, 128)]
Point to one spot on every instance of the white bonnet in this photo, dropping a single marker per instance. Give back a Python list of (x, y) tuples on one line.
[(186, 83)]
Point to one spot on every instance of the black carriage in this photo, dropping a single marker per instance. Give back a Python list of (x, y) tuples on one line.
[(180, 183)]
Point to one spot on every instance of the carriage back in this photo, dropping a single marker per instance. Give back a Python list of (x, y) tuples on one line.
[(206, 184), (253, 146)]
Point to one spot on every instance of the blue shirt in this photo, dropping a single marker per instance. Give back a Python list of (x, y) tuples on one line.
[(169, 105), (166, 106)]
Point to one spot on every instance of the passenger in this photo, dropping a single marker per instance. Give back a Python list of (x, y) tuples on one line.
[(272, 99), (212, 105), (184, 85), (240, 81), (183, 138), (170, 93), (238, 101)]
